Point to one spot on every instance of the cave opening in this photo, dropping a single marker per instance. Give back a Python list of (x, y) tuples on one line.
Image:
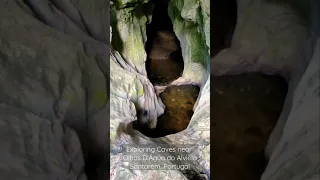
[(244, 109), (164, 65)]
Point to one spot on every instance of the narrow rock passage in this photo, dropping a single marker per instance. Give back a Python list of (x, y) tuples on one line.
[(164, 65), (244, 111), (165, 62)]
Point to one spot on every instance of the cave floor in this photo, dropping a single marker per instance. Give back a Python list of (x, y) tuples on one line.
[(179, 102), (244, 110)]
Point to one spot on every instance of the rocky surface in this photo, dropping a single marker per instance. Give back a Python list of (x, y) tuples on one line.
[(191, 24), (262, 40), (53, 90)]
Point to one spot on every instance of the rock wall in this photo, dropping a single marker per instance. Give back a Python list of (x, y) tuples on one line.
[(53, 87), (191, 23), (128, 56), (262, 40), (293, 146), (282, 37)]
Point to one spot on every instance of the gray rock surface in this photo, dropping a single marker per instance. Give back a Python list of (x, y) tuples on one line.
[(53, 91), (263, 40)]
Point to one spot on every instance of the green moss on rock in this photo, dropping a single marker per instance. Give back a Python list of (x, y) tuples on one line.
[(191, 23), (129, 31)]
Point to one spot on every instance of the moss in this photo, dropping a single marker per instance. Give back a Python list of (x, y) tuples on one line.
[(191, 23), (190, 31), (117, 3), (134, 44), (140, 92), (123, 4), (129, 32), (136, 90)]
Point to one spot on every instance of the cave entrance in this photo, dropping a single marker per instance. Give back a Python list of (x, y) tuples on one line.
[(165, 64)]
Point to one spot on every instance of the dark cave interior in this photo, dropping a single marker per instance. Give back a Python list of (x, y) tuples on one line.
[(223, 22), (164, 61), (164, 65)]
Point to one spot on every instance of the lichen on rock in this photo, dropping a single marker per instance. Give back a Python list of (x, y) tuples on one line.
[(128, 24)]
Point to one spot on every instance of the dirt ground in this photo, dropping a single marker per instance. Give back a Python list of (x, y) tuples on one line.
[(244, 110)]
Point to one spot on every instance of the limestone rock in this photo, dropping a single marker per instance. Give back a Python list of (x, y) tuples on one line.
[(53, 74), (191, 22), (262, 40)]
